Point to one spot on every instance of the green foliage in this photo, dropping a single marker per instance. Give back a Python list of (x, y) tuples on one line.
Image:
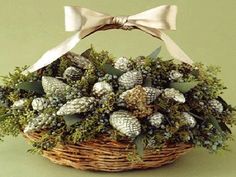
[(35, 86), (199, 84), (109, 69), (184, 86), (86, 129), (155, 53)]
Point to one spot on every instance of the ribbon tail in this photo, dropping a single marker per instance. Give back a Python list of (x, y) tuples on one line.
[(55, 53), (174, 50)]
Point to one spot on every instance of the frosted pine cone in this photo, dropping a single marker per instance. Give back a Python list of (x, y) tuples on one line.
[(72, 73), (216, 105), (189, 120), (123, 64), (43, 121), (152, 94), (125, 123), (174, 94), (175, 75), (39, 104), (156, 119), (79, 105), (102, 88), (20, 104), (53, 86), (131, 78)]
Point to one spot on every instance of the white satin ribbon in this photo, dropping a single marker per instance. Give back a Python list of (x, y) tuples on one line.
[(85, 22)]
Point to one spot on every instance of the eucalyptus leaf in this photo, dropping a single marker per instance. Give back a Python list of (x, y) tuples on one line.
[(139, 143), (155, 53), (196, 116), (71, 119), (87, 52), (109, 69), (35, 86), (148, 82), (216, 124), (225, 127), (184, 86)]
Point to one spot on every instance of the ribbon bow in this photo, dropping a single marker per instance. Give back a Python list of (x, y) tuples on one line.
[(86, 22)]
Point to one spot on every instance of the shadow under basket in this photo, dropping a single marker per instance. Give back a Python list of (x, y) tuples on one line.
[(104, 154)]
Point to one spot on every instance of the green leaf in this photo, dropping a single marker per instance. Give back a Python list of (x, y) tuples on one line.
[(215, 123), (184, 86), (35, 86), (155, 53), (72, 119), (87, 52), (196, 116), (225, 127), (148, 82), (109, 69), (139, 143)]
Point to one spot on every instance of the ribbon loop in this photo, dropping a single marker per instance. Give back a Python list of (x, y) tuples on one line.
[(86, 22)]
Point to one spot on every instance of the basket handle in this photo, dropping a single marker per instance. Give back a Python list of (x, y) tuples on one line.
[(86, 22)]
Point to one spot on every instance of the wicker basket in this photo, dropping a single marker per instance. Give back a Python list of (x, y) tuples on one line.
[(104, 154)]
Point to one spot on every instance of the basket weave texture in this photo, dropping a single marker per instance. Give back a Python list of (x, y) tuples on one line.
[(104, 154)]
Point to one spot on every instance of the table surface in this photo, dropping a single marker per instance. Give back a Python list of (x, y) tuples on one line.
[(206, 31)]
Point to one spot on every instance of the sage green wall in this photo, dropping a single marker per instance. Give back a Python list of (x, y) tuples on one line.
[(205, 30)]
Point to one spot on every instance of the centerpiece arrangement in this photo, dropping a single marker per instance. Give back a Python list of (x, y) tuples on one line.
[(96, 112), (116, 109)]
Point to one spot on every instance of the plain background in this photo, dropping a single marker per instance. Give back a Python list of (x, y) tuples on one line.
[(205, 30)]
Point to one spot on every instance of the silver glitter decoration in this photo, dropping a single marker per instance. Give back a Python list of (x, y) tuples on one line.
[(72, 73), (125, 123), (20, 104), (152, 94), (123, 64), (129, 79), (174, 75), (102, 88), (79, 105), (53, 86), (174, 94), (189, 120), (156, 119), (39, 104), (216, 105), (43, 121)]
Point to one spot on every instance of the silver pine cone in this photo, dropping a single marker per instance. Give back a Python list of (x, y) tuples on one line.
[(123, 64), (39, 104), (156, 119), (72, 73), (152, 94), (216, 105), (189, 120), (171, 93), (125, 123), (53, 86), (79, 105), (174, 75), (43, 121), (20, 104), (129, 79), (102, 88)]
